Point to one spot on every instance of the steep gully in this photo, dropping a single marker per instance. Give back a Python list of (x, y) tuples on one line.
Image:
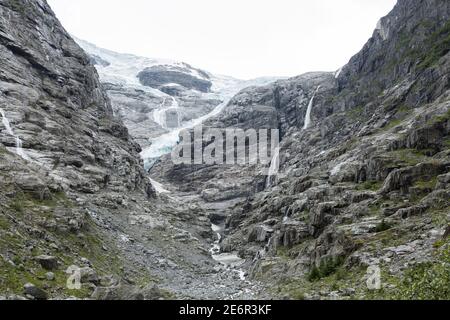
[(231, 262)]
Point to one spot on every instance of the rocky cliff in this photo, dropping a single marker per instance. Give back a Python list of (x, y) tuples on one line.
[(75, 203), (61, 151), (363, 182)]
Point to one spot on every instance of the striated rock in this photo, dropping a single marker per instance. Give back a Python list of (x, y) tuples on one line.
[(158, 76), (321, 216), (401, 179), (260, 234), (411, 211)]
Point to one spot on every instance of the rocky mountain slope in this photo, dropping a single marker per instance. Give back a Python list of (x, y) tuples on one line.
[(75, 202), (364, 184), (363, 180)]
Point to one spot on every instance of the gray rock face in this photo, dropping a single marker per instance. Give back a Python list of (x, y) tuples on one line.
[(371, 165), (408, 42), (54, 103), (159, 76)]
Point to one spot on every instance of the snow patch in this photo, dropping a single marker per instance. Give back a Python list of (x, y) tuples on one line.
[(158, 187)]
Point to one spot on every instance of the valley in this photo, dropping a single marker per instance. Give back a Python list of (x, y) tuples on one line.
[(359, 181)]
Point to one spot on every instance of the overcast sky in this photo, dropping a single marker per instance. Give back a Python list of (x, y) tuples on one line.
[(241, 38)]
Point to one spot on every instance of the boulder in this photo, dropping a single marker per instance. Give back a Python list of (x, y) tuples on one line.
[(47, 262), (35, 292)]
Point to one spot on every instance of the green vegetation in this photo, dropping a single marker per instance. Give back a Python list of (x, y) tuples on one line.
[(23, 201), (383, 226), (355, 113), (326, 268), (426, 281), (440, 41), (17, 205), (18, 266), (439, 119), (425, 185), (3, 150), (433, 48), (4, 223), (370, 185), (446, 143), (408, 157), (393, 124)]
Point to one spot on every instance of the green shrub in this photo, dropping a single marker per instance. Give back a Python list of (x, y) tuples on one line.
[(326, 268), (426, 281), (382, 226), (370, 185), (17, 206)]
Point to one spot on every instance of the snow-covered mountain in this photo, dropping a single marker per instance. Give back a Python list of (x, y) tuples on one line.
[(156, 98)]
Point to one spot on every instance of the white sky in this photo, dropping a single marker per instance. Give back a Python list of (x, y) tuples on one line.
[(240, 38)]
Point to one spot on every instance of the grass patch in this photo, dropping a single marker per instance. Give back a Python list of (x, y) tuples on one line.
[(370, 185), (440, 46), (17, 205), (393, 124), (382, 226), (4, 223), (439, 119), (426, 281), (426, 184), (326, 268), (355, 113), (408, 157)]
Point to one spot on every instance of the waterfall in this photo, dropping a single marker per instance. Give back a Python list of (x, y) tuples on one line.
[(274, 167), (159, 188), (268, 245), (338, 73), (215, 250), (160, 114), (7, 125), (308, 112)]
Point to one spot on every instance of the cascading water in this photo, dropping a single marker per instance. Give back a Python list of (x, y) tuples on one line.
[(164, 144), (274, 167), (230, 261), (160, 114), (275, 163), (308, 112), (216, 246), (19, 149)]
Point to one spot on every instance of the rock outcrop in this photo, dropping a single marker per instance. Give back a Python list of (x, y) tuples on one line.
[(364, 172), (160, 76)]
